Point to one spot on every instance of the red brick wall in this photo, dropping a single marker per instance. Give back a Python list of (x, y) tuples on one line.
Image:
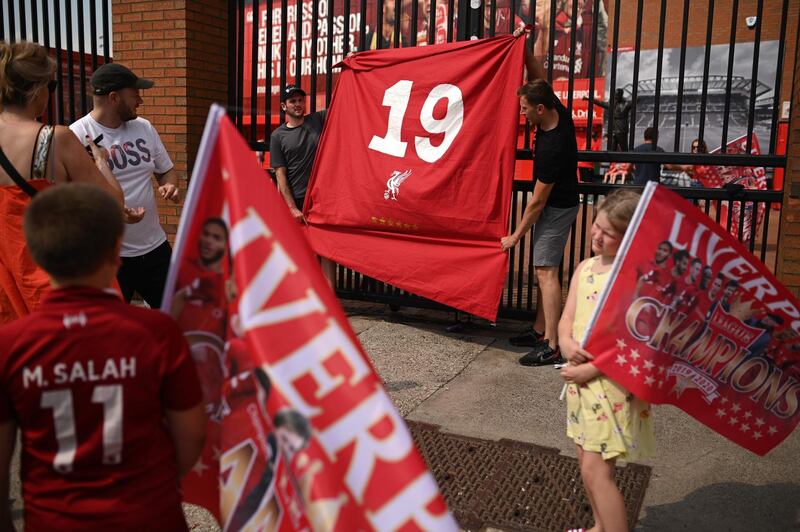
[(182, 46), (788, 270)]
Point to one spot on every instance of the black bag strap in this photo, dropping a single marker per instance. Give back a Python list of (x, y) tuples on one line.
[(15, 176)]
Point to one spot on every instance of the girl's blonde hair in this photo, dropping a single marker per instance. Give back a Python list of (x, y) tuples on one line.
[(619, 207), (24, 69)]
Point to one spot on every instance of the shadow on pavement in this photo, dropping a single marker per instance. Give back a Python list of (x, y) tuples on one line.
[(730, 506)]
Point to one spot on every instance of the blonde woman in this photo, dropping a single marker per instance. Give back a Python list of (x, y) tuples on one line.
[(35, 156)]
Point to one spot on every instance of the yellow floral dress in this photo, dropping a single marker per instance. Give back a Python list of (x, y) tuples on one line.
[(602, 416)]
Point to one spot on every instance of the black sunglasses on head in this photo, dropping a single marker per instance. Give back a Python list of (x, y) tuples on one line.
[(51, 86)]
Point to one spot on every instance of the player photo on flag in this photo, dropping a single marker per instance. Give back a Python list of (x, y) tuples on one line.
[(689, 317), (301, 433)]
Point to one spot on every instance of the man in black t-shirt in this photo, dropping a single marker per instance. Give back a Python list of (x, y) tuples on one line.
[(293, 146), (551, 212), (644, 172)]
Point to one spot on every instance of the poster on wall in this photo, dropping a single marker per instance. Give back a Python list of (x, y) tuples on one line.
[(740, 88)]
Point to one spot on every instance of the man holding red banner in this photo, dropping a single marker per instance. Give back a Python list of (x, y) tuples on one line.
[(551, 211)]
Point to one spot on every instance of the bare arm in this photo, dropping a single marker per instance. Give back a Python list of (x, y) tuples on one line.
[(188, 431), (541, 191), (570, 347), (8, 436), (532, 65), (286, 191), (80, 168), (168, 185)]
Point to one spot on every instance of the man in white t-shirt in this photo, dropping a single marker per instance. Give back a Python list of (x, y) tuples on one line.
[(135, 154)]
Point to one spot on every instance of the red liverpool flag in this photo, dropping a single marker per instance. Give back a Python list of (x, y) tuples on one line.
[(689, 317), (413, 174), (302, 434)]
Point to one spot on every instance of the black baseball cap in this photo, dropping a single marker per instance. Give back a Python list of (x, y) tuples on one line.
[(289, 91), (113, 77)]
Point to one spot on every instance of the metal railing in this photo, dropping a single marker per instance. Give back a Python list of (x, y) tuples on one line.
[(519, 294), (279, 42), (77, 34)]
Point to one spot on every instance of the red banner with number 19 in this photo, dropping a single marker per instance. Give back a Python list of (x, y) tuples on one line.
[(414, 171)]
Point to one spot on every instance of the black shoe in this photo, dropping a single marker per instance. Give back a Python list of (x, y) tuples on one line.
[(526, 339), (546, 356)]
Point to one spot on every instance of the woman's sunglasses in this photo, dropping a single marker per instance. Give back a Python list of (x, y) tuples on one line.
[(51, 86)]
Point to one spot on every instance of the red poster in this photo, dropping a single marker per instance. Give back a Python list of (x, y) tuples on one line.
[(302, 434), (691, 318), (414, 171), (751, 178)]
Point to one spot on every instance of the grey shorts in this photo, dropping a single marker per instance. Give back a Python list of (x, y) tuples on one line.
[(550, 235)]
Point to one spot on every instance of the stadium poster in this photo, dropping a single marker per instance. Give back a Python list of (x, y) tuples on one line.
[(741, 84), (689, 317), (302, 434)]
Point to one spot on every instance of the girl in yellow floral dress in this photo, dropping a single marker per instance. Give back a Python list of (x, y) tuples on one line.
[(605, 421)]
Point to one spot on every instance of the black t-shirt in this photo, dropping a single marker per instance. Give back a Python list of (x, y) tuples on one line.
[(295, 148), (644, 172), (555, 160)]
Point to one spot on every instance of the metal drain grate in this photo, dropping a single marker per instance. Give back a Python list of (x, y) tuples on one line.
[(516, 486)]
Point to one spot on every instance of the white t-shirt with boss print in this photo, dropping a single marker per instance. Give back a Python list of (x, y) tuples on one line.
[(135, 154)]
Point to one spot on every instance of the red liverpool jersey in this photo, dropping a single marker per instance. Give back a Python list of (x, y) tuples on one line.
[(88, 378)]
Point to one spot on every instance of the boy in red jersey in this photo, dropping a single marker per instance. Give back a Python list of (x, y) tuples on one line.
[(106, 395)]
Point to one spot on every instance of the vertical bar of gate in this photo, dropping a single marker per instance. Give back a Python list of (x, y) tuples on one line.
[(254, 70), (346, 48), (636, 56), (613, 90), (706, 64), (329, 60), (432, 22), (776, 101), (754, 76), (512, 8), (659, 68), (414, 15), (731, 52), (59, 68), (396, 29), (231, 59), (298, 43), (12, 30), (269, 78), (584, 217), (521, 261), (35, 21), (493, 17), (511, 254), (592, 73), (682, 71), (284, 51), (377, 33), (362, 26), (23, 20), (765, 232), (93, 32), (551, 36), (572, 43), (240, 63), (314, 38), (451, 7), (82, 56), (107, 40), (51, 107), (70, 66)]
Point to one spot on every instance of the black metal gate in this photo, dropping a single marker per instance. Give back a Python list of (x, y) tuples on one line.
[(279, 42), (78, 35)]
